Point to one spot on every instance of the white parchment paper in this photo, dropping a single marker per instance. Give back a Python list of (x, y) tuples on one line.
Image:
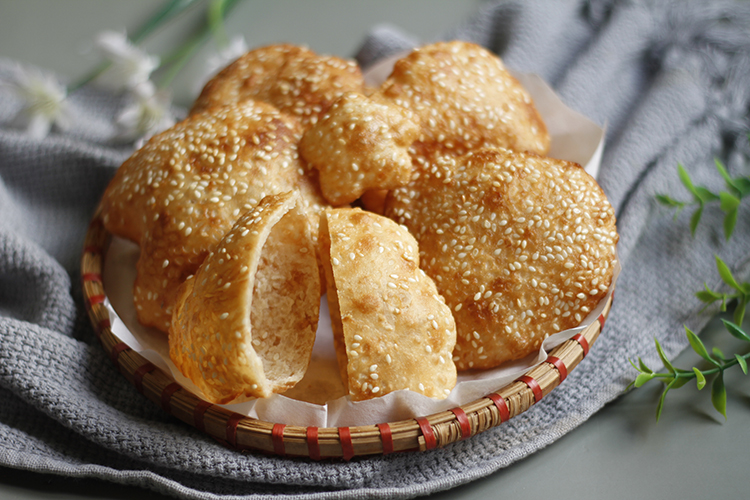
[(573, 137)]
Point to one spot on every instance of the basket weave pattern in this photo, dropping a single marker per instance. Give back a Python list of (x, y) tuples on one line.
[(244, 433)]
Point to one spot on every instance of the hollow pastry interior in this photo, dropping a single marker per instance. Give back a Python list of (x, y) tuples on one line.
[(245, 324), (281, 283)]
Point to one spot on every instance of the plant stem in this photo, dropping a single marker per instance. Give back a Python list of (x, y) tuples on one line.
[(726, 363), (170, 10), (179, 58)]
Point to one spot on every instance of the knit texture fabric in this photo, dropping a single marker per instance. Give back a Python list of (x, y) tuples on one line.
[(669, 80)]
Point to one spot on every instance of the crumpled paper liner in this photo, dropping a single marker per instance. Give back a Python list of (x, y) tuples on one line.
[(573, 137)]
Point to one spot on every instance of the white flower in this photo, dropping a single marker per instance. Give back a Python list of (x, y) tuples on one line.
[(236, 47), (147, 115), (44, 101), (130, 65)]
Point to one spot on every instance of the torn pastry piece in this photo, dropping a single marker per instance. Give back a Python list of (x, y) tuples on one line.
[(360, 145), (244, 325), (465, 99), (520, 246), (179, 194), (294, 79), (391, 328)]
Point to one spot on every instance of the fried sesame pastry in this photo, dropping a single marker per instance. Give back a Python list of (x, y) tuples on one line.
[(179, 194), (294, 79), (465, 99), (520, 246), (244, 324), (391, 328), (360, 145)]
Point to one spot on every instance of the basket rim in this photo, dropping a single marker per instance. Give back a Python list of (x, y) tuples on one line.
[(245, 433)]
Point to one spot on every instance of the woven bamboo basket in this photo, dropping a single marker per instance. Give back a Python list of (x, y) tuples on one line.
[(244, 433)]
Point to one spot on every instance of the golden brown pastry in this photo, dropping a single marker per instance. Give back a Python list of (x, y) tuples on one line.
[(391, 328), (519, 245), (360, 145), (294, 79), (179, 194), (465, 99), (244, 325)]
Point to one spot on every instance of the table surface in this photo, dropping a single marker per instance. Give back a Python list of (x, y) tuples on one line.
[(620, 453)]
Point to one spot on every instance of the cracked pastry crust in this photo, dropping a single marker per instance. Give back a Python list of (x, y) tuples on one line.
[(244, 325), (391, 328), (179, 194)]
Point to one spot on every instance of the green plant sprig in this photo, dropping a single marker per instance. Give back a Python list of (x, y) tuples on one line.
[(729, 200), (742, 295), (676, 377)]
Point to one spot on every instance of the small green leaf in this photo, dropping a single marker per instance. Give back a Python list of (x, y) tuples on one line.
[(739, 311), (679, 382), (724, 174), (699, 347), (695, 219), (719, 394), (735, 330), (726, 274), (686, 181), (705, 195), (743, 185), (700, 380), (660, 406), (742, 362), (643, 378), (717, 352), (644, 368), (669, 201), (729, 201), (708, 296), (663, 357), (730, 220)]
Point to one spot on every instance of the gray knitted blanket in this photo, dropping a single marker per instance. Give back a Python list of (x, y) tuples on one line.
[(669, 80)]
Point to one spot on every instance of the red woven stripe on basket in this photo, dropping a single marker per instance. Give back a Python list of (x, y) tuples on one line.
[(583, 342), (91, 277), (166, 396), (429, 436), (116, 350), (558, 363), (313, 444), (104, 325), (501, 406), (231, 429), (96, 299), (463, 421), (534, 386), (139, 374), (199, 415), (93, 249), (277, 436), (347, 447), (386, 438)]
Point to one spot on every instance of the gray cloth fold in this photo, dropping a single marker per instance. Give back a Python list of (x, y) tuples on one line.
[(669, 79)]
